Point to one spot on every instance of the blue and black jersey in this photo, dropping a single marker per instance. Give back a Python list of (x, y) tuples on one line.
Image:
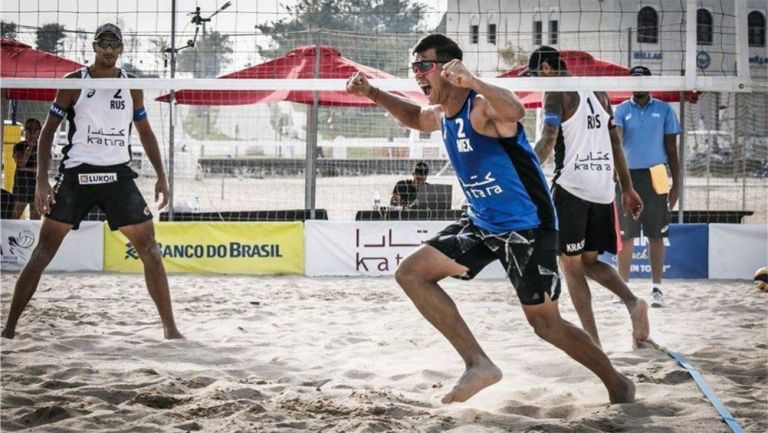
[(501, 177)]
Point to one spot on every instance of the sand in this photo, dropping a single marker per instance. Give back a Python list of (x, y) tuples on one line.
[(297, 354)]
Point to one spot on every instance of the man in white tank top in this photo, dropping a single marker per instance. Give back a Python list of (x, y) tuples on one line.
[(95, 172), (579, 126)]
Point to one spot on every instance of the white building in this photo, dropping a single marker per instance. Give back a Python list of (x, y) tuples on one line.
[(628, 32), (497, 36)]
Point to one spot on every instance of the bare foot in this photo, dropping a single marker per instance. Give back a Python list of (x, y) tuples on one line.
[(640, 325), (624, 392), (173, 335), (7, 333), (648, 343), (472, 381)]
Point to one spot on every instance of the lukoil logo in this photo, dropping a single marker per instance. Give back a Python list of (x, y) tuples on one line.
[(233, 250)]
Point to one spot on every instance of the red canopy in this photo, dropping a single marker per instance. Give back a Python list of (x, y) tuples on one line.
[(298, 63), (582, 64), (22, 61)]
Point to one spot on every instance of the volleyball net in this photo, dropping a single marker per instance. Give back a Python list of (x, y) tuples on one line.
[(256, 125)]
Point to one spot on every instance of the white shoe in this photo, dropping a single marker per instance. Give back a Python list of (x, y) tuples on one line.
[(657, 299)]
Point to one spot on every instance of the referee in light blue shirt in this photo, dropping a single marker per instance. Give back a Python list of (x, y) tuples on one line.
[(649, 130)]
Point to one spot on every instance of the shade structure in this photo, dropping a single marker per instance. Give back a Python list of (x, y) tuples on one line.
[(583, 64), (298, 63), (19, 60)]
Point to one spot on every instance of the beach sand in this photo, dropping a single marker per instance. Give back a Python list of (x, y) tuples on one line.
[(297, 354)]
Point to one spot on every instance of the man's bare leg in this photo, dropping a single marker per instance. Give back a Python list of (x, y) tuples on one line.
[(142, 236), (624, 258), (52, 233), (657, 252), (575, 279), (607, 276), (418, 275), (548, 324)]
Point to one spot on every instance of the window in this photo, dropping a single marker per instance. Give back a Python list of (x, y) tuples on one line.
[(553, 32), (647, 26), (756, 26), (703, 27), (537, 29), (492, 34), (474, 34)]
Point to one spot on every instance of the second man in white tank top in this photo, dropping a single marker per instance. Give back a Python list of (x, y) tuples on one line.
[(579, 127)]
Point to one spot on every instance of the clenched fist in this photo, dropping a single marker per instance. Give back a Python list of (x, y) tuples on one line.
[(457, 74), (358, 85)]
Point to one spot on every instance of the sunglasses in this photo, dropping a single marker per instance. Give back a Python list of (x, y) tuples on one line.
[(425, 66), (107, 43), (32, 129)]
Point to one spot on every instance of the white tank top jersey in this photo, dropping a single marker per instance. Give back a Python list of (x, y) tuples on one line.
[(584, 157), (100, 125)]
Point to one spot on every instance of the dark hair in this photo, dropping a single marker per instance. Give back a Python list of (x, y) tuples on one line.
[(548, 55), (445, 47), (32, 120), (421, 169)]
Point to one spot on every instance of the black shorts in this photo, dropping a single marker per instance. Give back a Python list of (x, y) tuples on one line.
[(24, 184), (528, 256), (76, 194), (584, 225), (654, 219)]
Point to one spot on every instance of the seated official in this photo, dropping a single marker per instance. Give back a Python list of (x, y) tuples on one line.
[(405, 191)]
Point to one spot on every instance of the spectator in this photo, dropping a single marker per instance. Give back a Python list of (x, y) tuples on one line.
[(405, 190), (24, 180)]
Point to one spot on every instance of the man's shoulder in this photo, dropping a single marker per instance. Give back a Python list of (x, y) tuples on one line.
[(662, 104), (625, 105)]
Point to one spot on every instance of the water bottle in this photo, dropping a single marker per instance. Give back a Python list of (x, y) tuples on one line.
[(196, 205), (376, 201)]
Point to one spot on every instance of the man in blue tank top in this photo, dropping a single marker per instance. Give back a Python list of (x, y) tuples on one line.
[(510, 216)]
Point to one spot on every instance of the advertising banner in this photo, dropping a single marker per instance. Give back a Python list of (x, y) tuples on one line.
[(686, 253), (369, 248), (737, 250), (213, 247), (81, 250)]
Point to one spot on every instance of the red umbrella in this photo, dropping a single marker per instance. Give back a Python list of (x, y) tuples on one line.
[(22, 61), (298, 63), (583, 64)]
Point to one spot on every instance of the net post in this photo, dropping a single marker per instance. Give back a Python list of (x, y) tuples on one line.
[(690, 44), (742, 51), (681, 162), (311, 157), (171, 113)]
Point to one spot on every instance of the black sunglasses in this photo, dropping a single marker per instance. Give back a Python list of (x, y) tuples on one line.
[(107, 43), (426, 66)]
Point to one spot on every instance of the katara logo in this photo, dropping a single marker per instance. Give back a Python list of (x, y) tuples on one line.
[(130, 251)]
